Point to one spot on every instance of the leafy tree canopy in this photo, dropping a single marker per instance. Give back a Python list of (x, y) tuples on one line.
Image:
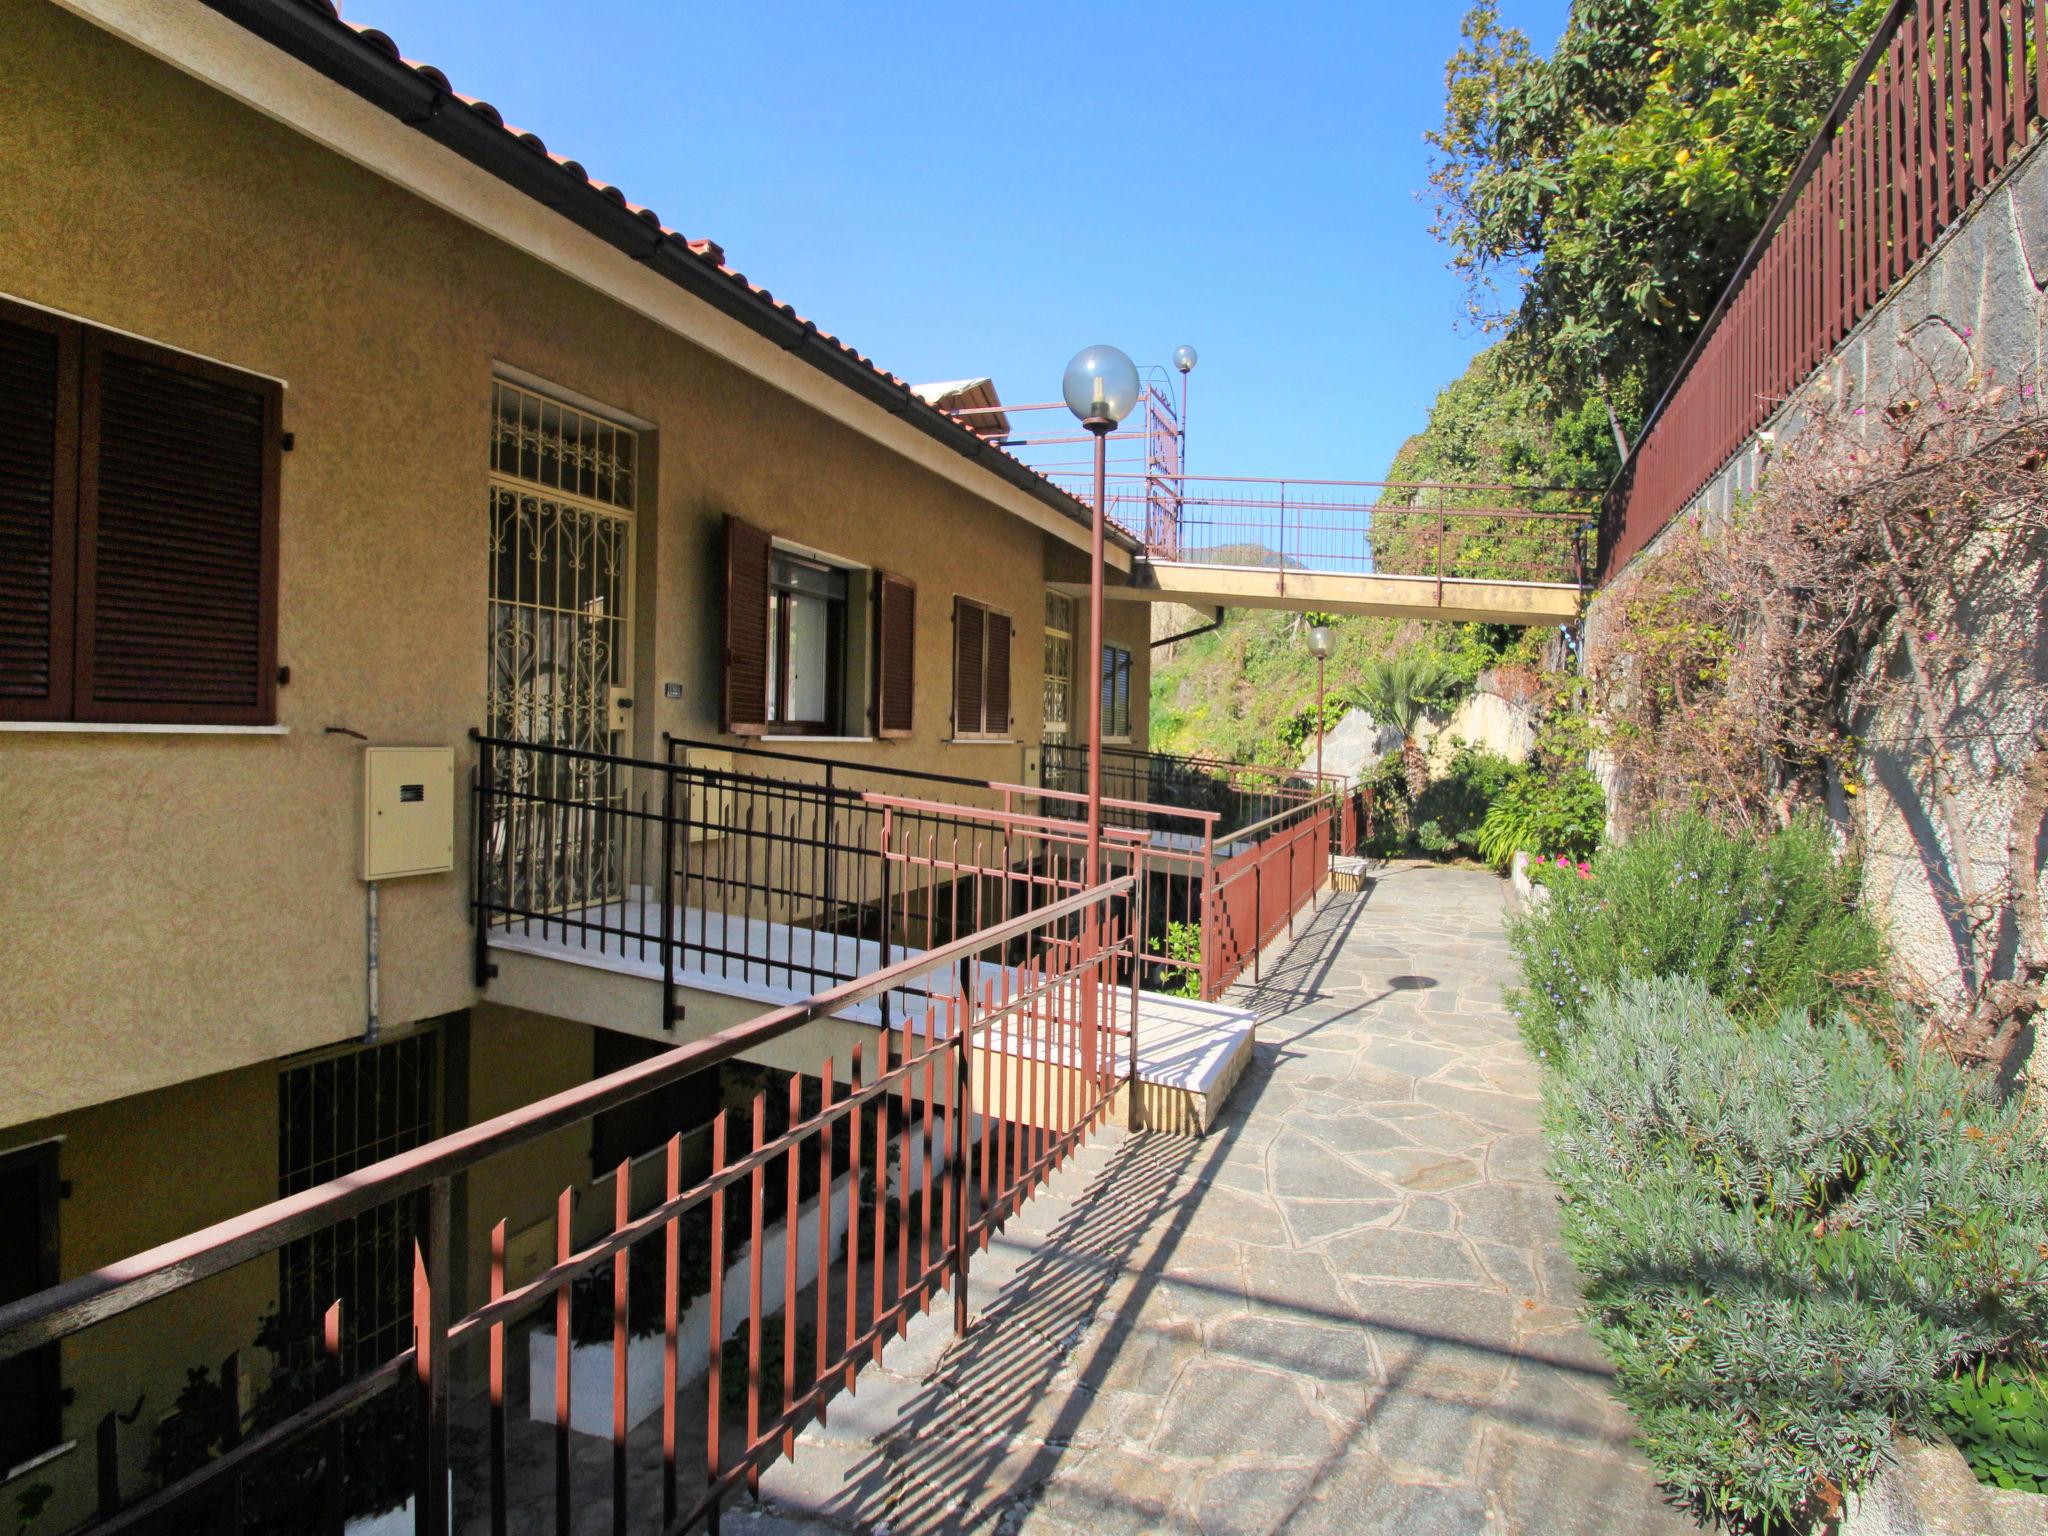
[(1598, 200)]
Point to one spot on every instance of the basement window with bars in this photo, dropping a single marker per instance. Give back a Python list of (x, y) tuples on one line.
[(1116, 693), (336, 1115), (138, 530), (981, 671)]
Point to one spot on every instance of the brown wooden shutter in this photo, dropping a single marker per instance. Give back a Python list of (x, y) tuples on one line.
[(747, 555), (895, 654), (38, 511), (177, 539), (967, 662), (997, 721)]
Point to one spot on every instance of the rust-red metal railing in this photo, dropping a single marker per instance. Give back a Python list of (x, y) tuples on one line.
[(1261, 885), (1239, 793), (1434, 530), (881, 1180), (1942, 99)]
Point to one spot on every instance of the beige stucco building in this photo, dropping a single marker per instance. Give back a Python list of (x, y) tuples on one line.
[(490, 411)]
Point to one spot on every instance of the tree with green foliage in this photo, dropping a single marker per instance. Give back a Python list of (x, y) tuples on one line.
[(1612, 187), (1398, 691)]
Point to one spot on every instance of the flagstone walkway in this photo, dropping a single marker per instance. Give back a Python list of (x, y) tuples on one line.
[(1344, 1311)]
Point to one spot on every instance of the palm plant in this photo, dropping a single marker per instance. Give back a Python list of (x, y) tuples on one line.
[(1397, 691)]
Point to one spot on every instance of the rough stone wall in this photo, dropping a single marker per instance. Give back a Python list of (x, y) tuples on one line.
[(1483, 719), (1975, 310)]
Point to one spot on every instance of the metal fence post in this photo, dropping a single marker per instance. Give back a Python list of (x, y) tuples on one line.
[(1209, 912), (1258, 913), (963, 1083), (1141, 898), (831, 846), (430, 1361), (480, 863), (668, 895), (230, 1507), (888, 832)]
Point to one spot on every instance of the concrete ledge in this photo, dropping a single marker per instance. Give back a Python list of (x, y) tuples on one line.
[(1190, 1056)]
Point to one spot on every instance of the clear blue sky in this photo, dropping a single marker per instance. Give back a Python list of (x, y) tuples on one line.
[(963, 190)]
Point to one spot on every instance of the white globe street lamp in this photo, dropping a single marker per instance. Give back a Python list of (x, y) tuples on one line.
[(1320, 643), (1101, 388)]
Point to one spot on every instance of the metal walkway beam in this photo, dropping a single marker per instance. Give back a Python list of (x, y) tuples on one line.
[(1452, 600)]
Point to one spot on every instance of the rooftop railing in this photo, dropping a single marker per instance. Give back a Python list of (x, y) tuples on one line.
[(1945, 95), (836, 1216), (1434, 530)]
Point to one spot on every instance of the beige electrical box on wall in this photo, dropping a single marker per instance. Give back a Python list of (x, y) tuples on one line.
[(408, 811)]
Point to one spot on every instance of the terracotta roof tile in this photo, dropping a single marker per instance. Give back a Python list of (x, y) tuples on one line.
[(708, 251)]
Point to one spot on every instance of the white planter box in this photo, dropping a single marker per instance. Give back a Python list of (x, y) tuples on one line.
[(1530, 893)]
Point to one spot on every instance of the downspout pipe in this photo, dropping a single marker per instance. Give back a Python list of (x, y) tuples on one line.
[(1189, 634), (372, 1020)]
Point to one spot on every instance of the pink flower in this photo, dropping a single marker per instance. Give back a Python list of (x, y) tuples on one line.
[(1585, 870), (1563, 862)]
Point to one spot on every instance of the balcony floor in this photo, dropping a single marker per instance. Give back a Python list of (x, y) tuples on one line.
[(1346, 1310), (1193, 1051)]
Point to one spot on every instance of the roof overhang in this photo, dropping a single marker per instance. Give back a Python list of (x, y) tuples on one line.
[(304, 69), (977, 395)]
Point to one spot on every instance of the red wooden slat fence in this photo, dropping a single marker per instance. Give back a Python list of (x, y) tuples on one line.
[(1944, 96)]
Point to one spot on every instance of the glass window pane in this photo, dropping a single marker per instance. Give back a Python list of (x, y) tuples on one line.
[(810, 654)]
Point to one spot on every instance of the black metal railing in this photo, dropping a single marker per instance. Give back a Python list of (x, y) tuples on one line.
[(1239, 795), (786, 882), (706, 875)]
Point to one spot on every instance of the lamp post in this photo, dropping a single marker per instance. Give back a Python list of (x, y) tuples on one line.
[(1184, 360), (1101, 388), (1320, 642)]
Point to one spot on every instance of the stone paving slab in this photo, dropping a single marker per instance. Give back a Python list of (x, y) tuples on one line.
[(1346, 1310)]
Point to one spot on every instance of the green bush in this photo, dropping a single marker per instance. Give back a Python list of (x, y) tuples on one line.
[(1997, 1414), (1458, 798), (1448, 817), (1544, 813), (1765, 924), (1182, 944), (1789, 1241), (1392, 821)]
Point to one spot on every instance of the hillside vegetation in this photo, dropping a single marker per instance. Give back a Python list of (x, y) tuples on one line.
[(1247, 690), (1609, 189)]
